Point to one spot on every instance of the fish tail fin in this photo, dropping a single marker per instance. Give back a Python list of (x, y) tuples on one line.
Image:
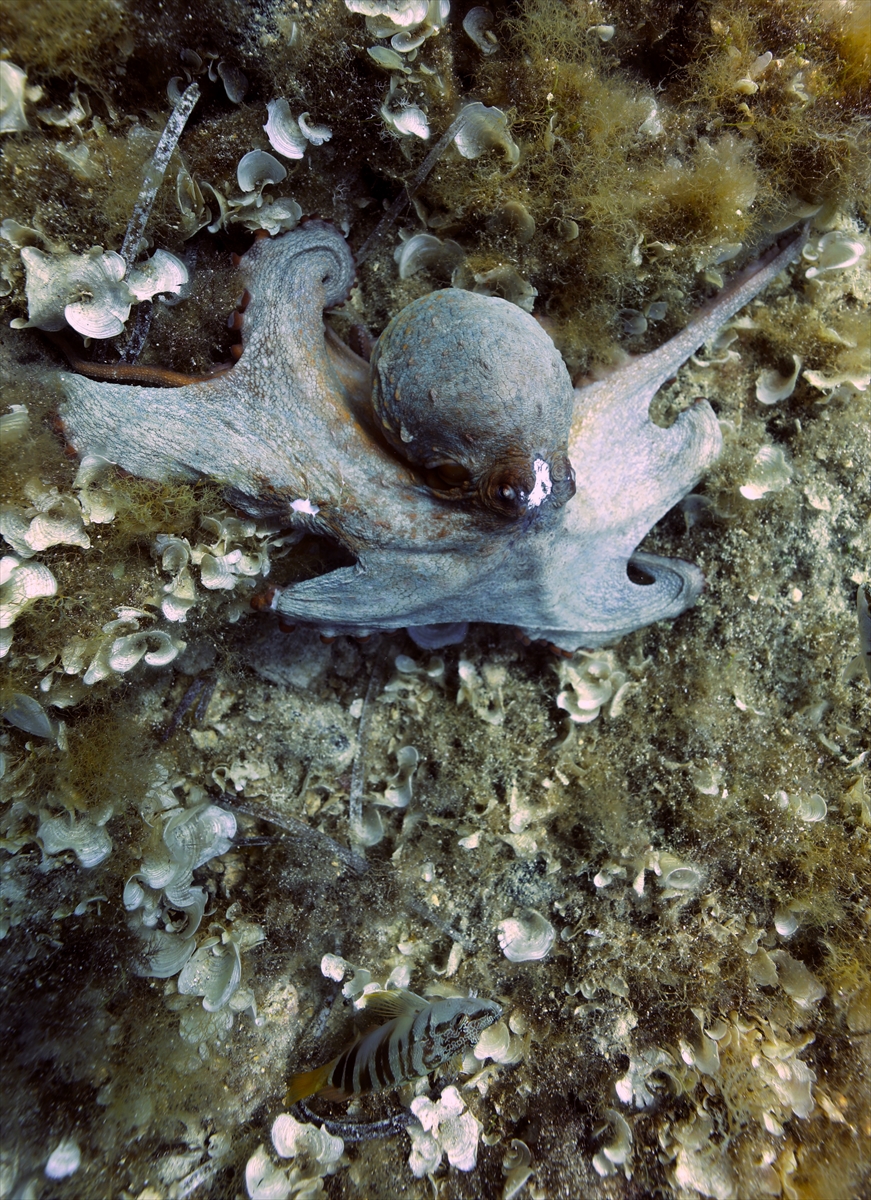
[(307, 1083)]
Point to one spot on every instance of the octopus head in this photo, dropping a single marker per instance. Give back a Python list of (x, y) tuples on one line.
[(472, 392)]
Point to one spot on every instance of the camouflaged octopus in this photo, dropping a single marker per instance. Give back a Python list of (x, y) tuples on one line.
[(467, 477)]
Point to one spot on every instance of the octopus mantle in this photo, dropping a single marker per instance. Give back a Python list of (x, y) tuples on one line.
[(290, 431)]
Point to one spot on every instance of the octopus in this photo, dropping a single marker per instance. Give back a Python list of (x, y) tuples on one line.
[(466, 477)]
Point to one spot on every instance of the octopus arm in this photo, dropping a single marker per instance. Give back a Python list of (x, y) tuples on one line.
[(579, 592), (625, 395), (387, 589), (606, 604), (572, 591), (146, 430), (626, 484)]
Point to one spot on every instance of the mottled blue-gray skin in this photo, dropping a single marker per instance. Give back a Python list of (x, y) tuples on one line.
[(452, 354), (293, 422)]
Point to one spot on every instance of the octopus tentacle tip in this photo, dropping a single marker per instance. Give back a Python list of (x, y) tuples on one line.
[(263, 601)]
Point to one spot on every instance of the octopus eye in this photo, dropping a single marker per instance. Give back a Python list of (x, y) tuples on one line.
[(453, 474), (508, 492)]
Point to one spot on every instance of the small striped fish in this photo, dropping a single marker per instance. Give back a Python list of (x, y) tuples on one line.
[(416, 1037)]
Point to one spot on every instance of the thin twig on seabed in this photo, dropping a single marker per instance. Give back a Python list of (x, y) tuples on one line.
[(263, 811)]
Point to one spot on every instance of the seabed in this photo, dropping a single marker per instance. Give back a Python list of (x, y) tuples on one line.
[(671, 835)]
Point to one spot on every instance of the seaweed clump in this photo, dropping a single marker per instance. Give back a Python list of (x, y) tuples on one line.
[(650, 160)]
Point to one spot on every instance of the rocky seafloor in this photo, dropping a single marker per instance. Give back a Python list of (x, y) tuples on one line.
[(670, 837)]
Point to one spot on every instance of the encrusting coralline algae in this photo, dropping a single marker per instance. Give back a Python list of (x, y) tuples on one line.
[(676, 826)]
